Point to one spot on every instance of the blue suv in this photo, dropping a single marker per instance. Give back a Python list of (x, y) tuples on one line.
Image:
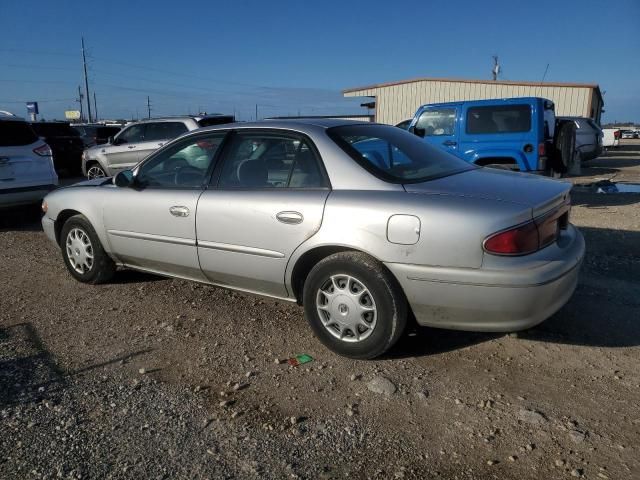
[(518, 133)]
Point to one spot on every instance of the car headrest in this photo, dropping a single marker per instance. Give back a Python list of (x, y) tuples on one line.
[(253, 173)]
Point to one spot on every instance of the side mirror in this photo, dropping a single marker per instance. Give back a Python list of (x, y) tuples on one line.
[(419, 131), (110, 140), (124, 178)]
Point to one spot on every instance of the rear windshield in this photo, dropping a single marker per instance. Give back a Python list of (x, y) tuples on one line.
[(499, 119), (13, 134), (217, 120), (395, 155), (54, 130)]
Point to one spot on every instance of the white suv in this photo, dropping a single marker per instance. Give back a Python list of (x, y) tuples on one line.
[(26, 163), (138, 140)]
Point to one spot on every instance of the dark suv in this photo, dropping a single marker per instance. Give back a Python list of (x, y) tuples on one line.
[(66, 145)]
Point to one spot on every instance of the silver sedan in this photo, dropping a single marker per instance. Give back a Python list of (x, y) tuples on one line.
[(364, 225)]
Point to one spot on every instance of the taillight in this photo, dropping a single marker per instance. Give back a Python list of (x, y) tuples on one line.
[(519, 240), (531, 236), (43, 150), (616, 134), (542, 149)]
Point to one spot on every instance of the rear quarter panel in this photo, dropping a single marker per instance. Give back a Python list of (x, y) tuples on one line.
[(452, 228)]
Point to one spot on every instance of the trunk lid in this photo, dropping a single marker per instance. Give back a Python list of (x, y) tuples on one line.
[(538, 193)]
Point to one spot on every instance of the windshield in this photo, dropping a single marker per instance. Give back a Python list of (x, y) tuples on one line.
[(395, 155)]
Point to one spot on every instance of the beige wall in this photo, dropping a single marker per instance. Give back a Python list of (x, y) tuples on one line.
[(395, 103)]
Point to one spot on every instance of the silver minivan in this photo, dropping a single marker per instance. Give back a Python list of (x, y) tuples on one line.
[(138, 140), (26, 163)]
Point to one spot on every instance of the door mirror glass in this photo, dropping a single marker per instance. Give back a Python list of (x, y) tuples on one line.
[(110, 140), (124, 178)]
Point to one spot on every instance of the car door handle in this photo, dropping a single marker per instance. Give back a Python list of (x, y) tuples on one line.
[(292, 218), (450, 143), (179, 211), (131, 146)]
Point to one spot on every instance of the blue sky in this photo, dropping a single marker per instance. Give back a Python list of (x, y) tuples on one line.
[(294, 57)]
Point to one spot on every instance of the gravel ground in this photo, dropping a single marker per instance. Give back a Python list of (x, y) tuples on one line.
[(148, 377)]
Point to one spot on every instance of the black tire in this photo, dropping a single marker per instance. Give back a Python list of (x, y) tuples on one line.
[(386, 294), (101, 268), (564, 146)]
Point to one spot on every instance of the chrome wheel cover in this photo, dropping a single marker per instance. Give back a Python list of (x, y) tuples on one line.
[(346, 308), (95, 172), (79, 250)]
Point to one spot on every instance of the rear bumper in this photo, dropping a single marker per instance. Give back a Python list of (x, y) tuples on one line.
[(491, 300), (13, 197)]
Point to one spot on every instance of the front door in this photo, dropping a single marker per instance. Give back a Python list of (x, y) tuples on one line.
[(152, 225), (123, 152), (269, 198), (156, 134), (438, 126)]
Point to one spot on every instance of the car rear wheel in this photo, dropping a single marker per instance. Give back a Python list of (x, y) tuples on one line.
[(82, 252), (564, 148), (354, 306), (94, 170)]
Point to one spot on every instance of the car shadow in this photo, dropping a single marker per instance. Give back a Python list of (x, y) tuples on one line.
[(588, 198), (28, 370), (21, 219), (125, 276), (603, 311)]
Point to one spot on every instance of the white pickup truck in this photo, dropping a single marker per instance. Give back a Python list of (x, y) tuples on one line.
[(611, 137)]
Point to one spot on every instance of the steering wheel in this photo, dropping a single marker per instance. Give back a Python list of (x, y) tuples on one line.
[(185, 171)]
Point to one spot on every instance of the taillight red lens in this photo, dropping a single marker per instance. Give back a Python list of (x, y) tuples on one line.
[(43, 150), (542, 149), (520, 240)]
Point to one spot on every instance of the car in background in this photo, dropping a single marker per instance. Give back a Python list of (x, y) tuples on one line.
[(589, 138), (95, 134), (514, 133), (27, 173), (138, 140), (299, 211), (628, 134), (405, 124), (65, 143), (610, 137)]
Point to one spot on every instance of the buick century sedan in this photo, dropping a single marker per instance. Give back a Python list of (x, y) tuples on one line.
[(364, 225)]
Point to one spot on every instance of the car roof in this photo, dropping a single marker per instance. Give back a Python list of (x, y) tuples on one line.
[(8, 116), (487, 101), (180, 117), (301, 124)]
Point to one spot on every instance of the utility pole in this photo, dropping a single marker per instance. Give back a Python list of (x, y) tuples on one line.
[(79, 100), (148, 106), (256, 112), (86, 81), (95, 106), (496, 68)]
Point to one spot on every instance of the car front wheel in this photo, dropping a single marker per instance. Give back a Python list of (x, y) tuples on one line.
[(354, 306), (95, 171), (82, 252)]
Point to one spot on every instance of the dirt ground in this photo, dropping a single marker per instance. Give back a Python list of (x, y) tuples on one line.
[(148, 377)]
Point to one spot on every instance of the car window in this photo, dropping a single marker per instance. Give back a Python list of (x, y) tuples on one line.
[(437, 121), (133, 134), (13, 134), (270, 161), (395, 155), (164, 131), (499, 119), (54, 129), (183, 165)]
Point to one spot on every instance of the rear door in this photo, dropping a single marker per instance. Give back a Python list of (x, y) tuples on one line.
[(439, 127), (20, 166), (157, 134), (269, 198)]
